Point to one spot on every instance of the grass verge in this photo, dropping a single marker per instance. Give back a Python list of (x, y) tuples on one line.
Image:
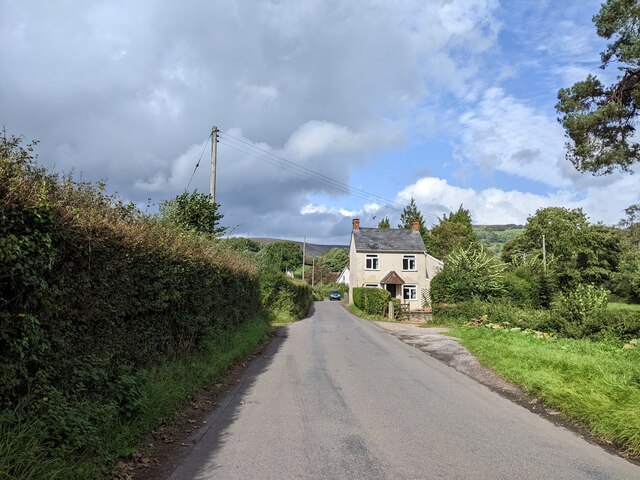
[(596, 383), (24, 453)]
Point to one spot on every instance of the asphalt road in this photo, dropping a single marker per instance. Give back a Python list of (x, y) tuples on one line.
[(336, 397)]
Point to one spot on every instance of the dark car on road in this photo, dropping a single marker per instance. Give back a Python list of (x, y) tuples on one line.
[(334, 295)]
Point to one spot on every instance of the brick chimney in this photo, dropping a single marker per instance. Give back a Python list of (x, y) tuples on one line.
[(415, 226), (356, 224)]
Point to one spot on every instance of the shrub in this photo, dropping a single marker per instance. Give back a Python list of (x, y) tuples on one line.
[(523, 292), (621, 324), (282, 294), (374, 301), (321, 291), (496, 311), (461, 311), (580, 312), (468, 273)]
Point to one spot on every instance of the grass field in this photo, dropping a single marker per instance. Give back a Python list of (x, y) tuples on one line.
[(596, 383), (624, 306), (494, 237)]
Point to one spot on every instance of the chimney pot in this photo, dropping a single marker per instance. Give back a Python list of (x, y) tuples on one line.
[(356, 224), (415, 226)]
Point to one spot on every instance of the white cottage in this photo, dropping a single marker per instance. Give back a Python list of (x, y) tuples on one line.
[(394, 259), (344, 276)]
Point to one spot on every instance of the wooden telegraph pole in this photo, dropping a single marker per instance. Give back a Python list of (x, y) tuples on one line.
[(304, 252), (214, 160)]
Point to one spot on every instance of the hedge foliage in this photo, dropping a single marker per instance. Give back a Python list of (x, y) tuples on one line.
[(321, 290), (279, 293), (91, 292), (374, 301), (598, 323)]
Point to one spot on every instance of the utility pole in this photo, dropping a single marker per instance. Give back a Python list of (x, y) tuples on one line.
[(214, 160), (304, 253), (544, 254), (313, 271)]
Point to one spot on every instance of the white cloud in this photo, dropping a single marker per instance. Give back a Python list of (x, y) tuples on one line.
[(370, 208), (504, 134), (311, 209), (497, 206), (317, 138)]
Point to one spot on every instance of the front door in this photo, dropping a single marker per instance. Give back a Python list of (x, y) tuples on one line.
[(392, 290)]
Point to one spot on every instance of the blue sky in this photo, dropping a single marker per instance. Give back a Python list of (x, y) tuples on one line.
[(448, 101)]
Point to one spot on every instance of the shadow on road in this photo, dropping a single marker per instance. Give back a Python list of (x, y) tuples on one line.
[(210, 438)]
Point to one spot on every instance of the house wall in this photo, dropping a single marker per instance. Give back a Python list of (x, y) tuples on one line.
[(353, 272), (427, 267), (433, 265), (344, 276)]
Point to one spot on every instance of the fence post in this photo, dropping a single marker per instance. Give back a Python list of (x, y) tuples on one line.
[(391, 311)]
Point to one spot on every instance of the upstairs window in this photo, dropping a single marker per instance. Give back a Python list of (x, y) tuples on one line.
[(371, 262), (409, 263)]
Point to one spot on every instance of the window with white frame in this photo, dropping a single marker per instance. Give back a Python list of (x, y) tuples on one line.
[(409, 263), (409, 292), (370, 285), (371, 262)]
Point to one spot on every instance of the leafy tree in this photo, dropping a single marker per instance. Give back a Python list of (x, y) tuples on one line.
[(452, 233), (335, 259), (384, 224), (242, 244), (631, 227), (411, 213), (193, 212), (600, 120), (577, 251), (626, 281), (282, 256)]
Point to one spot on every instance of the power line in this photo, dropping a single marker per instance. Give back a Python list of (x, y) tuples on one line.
[(304, 175), (198, 162), (313, 173), (243, 146)]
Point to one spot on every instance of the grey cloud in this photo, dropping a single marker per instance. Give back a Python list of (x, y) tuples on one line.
[(124, 92)]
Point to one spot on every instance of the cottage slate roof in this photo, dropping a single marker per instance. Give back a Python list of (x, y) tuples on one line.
[(388, 240)]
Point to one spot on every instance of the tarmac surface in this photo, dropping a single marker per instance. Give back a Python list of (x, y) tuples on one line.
[(338, 397)]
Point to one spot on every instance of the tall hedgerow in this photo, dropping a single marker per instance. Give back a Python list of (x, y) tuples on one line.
[(92, 292)]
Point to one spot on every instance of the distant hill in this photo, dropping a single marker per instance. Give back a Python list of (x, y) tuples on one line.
[(313, 249), (495, 236)]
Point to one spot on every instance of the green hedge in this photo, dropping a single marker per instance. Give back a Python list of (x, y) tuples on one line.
[(614, 324), (321, 290), (91, 293), (374, 301), (279, 293)]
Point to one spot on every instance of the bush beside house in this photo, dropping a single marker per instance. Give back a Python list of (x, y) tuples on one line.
[(374, 301)]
